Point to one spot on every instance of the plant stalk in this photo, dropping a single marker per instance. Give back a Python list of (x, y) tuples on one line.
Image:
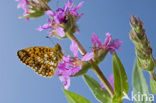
[(96, 68), (153, 75), (44, 4)]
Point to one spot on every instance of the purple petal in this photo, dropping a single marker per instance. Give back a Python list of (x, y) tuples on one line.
[(60, 10), (102, 86), (75, 70), (60, 16), (68, 5), (60, 31), (74, 48), (115, 44), (111, 80), (107, 40), (95, 39), (67, 69), (22, 4), (66, 58), (50, 13), (111, 44), (77, 31), (26, 13), (45, 26), (87, 57), (56, 19), (79, 5), (61, 69), (26, 19), (66, 81), (74, 13)]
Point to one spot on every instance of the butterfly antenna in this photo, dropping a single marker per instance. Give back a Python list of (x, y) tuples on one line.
[(90, 47), (57, 3), (65, 52), (48, 37)]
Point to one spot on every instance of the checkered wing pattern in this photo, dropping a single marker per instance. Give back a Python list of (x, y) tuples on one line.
[(43, 60)]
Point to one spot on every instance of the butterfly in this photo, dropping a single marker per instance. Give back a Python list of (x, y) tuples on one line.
[(43, 60)]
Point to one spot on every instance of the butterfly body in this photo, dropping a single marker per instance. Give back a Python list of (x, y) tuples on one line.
[(43, 60)]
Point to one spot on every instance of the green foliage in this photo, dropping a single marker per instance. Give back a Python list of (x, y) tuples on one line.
[(139, 84), (100, 94), (35, 14), (153, 85), (75, 98), (120, 79)]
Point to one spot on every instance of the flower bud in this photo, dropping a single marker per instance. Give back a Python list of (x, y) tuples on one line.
[(33, 8), (143, 49)]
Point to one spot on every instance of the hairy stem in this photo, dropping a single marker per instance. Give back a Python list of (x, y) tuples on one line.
[(44, 4), (102, 78), (96, 68), (153, 75)]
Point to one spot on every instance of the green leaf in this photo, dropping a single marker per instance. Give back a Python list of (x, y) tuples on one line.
[(153, 85), (100, 94), (75, 98), (120, 79), (34, 14), (140, 86)]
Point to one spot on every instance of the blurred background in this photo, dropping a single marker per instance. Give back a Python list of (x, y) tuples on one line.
[(20, 84)]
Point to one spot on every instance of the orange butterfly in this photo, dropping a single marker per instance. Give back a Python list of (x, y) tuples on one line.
[(43, 60)]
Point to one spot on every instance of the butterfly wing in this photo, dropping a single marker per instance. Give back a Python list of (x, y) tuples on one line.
[(43, 60)]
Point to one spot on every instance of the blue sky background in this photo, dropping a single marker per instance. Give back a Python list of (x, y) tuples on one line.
[(20, 84)]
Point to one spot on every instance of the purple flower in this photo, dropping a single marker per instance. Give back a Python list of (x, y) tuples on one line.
[(65, 80), (69, 7), (111, 81), (60, 18), (23, 4), (60, 31), (71, 64), (109, 43), (45, 26), (95, 40)]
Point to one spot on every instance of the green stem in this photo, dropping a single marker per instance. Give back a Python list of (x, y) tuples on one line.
[(96, 69), (153, 75), (102, 78), (155, 63)]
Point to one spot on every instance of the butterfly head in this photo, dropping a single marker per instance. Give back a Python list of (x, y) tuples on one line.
[(58, 47)]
